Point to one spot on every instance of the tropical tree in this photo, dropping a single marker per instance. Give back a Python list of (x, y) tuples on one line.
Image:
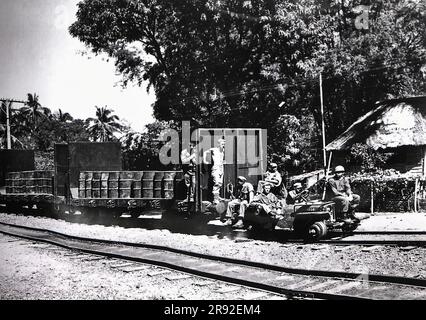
[(104, 126), (61, 116), (17, 131), (33, 111), (232, 63), (61, 123), (14, 134), (141, 149)]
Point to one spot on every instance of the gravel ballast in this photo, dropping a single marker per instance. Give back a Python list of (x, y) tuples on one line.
[(31, 271), (382, 260)]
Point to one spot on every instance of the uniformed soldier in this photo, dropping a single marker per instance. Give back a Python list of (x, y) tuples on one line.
[(294, 195), (217, 169), (269, 202), (272, 177), (188, 158), (339, 190), (243, 196)]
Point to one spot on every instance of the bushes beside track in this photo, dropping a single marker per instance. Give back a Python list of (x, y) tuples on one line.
[(392, 192)]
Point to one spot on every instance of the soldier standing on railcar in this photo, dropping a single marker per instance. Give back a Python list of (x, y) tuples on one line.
[(188, 158), (217, 169)]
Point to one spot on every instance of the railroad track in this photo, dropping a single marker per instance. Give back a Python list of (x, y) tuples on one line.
[(341, 241), (418, 238), (276, 279), (392, 232)]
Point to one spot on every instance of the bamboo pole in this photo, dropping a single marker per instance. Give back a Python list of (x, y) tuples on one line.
[(415, 194), (326, 175), (424, 162), (322, 123)]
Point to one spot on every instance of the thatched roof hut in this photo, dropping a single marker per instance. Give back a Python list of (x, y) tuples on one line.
[(391, 124)]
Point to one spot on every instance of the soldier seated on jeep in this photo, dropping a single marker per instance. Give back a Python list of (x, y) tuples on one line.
[(267, 200)]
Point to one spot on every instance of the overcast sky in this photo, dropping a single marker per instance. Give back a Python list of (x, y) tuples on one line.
[(38, 55)]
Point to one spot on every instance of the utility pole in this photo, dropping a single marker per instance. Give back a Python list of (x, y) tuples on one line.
[(323, 125), (8, 105), (8, 140)]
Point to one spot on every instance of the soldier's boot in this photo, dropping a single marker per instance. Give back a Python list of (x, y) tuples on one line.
[(346, 218), (239, 224)]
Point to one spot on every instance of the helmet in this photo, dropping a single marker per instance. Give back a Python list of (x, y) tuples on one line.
[(242, 178), (273, 165), (339, 169)]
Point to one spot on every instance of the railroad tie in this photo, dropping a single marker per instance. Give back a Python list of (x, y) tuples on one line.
[(227, 289), (189, 260), (344, 287), (287, 245), (71, 254), (158, 273), (151, 254), (369, 249), (96, 258), (178, 277), (239, 240), (204, 283), (209, 265), (284, 277), (232, 269), (38, 245), (299, 284), (133, 268), (322, 285), (321, 247), (408, 248), (256, 295), (337, 249), (122, 265), (79, 256)]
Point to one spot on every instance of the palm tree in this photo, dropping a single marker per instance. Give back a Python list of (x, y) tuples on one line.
[(103, 127), (60, 116), (3, 134), (33, 110), (62, 123)]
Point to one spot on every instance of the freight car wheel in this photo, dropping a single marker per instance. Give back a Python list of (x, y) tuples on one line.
[(13, 208), (91, 214), (47, 209), (116, 214), (300, 228), (317, 231)]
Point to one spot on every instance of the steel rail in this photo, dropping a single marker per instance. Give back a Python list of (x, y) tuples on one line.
[(174, 259), (342, 241), (390, 232)]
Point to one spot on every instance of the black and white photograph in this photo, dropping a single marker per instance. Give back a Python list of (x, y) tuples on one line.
[(212, 157)]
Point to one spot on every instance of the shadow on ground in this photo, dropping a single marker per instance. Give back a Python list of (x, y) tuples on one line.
[(191, 225)]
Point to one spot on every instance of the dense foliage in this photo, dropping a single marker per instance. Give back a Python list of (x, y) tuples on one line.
[(256, 63), (367, 158), (391, 191), (141, 150)]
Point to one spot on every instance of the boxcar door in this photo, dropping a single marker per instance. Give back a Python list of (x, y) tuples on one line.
[(245, 155)]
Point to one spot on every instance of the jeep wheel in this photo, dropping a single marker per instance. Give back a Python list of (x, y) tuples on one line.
[(317, 231)]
